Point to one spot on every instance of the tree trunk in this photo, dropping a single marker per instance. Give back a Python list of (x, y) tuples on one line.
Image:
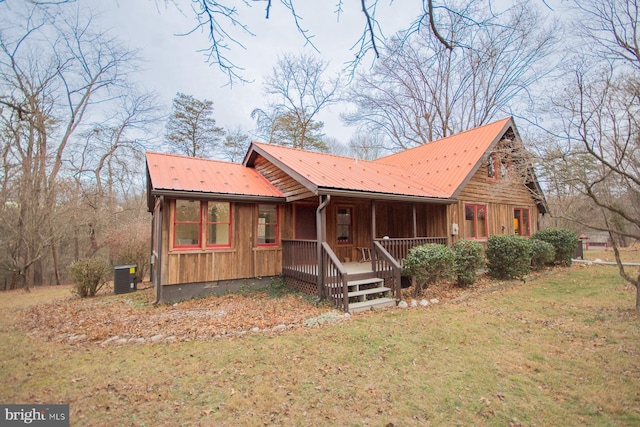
[(56, 267)]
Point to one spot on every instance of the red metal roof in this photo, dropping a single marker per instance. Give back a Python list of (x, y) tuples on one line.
[(326, 171), (448, 162), (435, 170), (189, 174)]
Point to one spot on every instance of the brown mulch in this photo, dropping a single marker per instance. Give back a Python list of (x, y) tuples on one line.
[(132, 318)]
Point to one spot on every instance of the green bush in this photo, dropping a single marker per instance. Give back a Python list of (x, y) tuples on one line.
[(508, 256), (542, 253), (89, 276), (564, 241), (427, 264), (468, 259)]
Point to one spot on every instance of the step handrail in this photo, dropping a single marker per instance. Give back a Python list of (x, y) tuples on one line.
[(341, 275), (382, 253)]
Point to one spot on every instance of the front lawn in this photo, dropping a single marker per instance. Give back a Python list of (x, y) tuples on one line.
[(559, 350)]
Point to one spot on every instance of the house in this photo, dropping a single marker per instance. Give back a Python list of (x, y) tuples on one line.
[(332, 226)]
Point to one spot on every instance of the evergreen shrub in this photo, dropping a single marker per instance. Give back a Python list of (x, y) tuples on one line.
[(508, 256), (469, 258), (428, 264), (542, 253), (564, 241)]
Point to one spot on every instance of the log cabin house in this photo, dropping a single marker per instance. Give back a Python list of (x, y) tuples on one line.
[(332, 226)]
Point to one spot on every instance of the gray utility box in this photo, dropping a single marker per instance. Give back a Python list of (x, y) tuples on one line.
[(124, 279)]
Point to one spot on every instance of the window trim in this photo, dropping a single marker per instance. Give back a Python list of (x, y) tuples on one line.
[(176, 222), (520, 222), (349, 240), (277, 224), (205, 213), (475, 221), (203, 227)]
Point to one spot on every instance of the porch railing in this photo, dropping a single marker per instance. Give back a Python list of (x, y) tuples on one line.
[(399, 247), (335, 279), (300, 259), (385, 265)]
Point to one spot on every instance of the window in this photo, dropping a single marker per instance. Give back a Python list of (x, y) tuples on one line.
[(218, 224), (193, 218), (267, 224), (521, 224), (344, 225), (498, 166), (475, 221), (491, 166)]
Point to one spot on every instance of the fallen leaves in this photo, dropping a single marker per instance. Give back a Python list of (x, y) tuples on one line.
[(131, 318)]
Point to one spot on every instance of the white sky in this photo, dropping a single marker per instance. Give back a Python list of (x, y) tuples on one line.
[(172, 63)]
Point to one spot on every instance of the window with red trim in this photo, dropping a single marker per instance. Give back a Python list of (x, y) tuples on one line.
[(521, 222), (343, 220), (199, 224), (475, 221), (218, 224), (187, 224), (268, 225)]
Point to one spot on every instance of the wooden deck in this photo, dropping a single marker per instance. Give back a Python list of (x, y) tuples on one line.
[(352, 286)]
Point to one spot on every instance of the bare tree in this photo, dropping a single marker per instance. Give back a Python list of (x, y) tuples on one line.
[(236, 143), (598, 134), (223, 23), (422, 90), (367, 146), (298, 91), (55, 73)]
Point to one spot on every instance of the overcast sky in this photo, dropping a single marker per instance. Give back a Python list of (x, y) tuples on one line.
[(173, 63)]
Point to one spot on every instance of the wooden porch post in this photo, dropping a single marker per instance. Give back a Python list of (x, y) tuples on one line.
[(321, 236), (415, 221)]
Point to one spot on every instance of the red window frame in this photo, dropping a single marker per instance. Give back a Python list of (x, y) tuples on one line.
[(518, 215), (475, 207), (349, 238), (205, 209), (276, 241), (203, 226), (176, 223)]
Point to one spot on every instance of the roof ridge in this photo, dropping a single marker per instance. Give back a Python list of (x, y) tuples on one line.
[(313, 152), (182, 156), (458, 134)]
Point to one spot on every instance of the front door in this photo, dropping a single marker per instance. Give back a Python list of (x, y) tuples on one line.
[(305, 222)]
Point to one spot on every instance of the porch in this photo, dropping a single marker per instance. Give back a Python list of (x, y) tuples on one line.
[(312, 267)]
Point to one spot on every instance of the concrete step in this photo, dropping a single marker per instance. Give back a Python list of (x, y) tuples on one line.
[(371, 304)]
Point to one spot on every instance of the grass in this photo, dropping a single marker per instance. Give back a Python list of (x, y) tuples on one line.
[(561, 350)]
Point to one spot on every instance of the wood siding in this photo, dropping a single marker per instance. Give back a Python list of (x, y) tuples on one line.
[(245, 259), (500, 196), (291, 188)]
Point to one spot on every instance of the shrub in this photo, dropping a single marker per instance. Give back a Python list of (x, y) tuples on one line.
[(542, 253), (564, 241), (427, 264), (468, 259), (508, 256), (89, 275)]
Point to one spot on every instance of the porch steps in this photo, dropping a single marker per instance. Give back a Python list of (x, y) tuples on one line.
[(355, 307), (363, 292), (363, 289)]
